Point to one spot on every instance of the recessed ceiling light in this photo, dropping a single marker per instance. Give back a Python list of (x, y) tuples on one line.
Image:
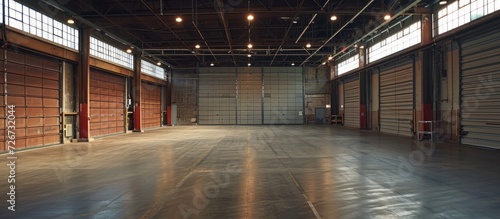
[(178, 19), (333, 18), (250, 46), (443, 2), (197, 46), (71, 21), (387, 17), (250, 17)]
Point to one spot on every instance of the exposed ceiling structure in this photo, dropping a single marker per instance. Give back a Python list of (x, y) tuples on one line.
[(279, 31)]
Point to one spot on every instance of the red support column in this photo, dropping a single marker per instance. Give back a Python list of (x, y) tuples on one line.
[(427, 83), (84, 84), (136, 88)]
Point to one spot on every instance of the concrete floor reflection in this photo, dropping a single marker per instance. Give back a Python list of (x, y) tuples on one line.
[(255, 172)]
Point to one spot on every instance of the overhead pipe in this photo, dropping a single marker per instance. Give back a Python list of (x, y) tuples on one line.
[(220, 7), (225, 50), (195, 24), (288, 30), (338, 31), (402, 11), (238, 54), (310, 22)]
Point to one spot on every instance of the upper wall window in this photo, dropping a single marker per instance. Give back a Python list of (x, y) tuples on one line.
[(461, 12), (348, 65), (153, 70), (102, 50), (403, 39), (28, 20)]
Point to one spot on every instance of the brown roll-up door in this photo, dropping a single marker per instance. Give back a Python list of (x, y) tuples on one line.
[(32, 86), (151, 105), (107, 102)]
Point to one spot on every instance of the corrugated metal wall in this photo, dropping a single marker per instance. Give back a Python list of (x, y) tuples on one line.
[(480, 89), (217, 96), (184, 94), (150, 105), (249, 96), (351, 104), (107, 103), (283, 95), (32, 86), (396, 98)]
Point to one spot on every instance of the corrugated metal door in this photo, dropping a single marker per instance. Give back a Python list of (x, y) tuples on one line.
[(480, 89), (33, 88), (283, 95), (151, 105), (396, 98), (351, 102), (217, 96), (107, 103), (249, 96)]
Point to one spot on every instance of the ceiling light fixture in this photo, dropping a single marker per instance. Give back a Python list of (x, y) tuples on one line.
[(71, 21), (443, 2), (197, 46), (330, 58), (250, 17), (212, 64), (178, 19), (249, 55), (387, 17), (333, 18), (308, 45), (158, 63), (249, 64), (129, 50), (293, 64), (324, 63), (362, 46), (250, 45)]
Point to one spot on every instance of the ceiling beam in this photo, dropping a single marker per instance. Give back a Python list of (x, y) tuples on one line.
[(220, 7)]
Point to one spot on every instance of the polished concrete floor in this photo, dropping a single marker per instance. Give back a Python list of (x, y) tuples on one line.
[(255, 172)]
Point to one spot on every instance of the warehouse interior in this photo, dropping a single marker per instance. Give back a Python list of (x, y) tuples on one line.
[(250, 108)]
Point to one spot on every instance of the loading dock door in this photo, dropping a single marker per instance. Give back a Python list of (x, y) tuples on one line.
[(217, 96), (396, 98), (32, 86), (107, 103), (351, 102), (480, 89), (151, 105)]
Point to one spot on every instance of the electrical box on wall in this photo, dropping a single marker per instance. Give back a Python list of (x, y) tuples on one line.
[(69, 130)]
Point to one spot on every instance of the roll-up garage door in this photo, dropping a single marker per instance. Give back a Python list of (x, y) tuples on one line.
[(396, 98), (107, 103), (351, 102), (32, 86), (151, 105), (283, 95), (249, 96), (480, 89), (217, 96)]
